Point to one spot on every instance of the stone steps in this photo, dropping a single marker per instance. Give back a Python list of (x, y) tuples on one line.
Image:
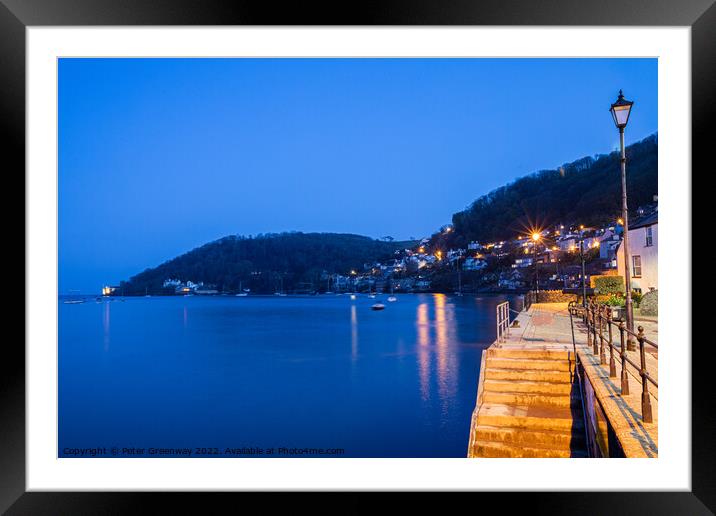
[(551, 376), (539, 354), (564, 440), (529, 364), (528, 417), (490, 449), (529, 407), (532, 399), (527, 386)]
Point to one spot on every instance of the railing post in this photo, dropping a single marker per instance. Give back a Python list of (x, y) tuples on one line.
[(645, 400), (625, 376), (588, 322), (595, 345), (602, 355), (612, 364)]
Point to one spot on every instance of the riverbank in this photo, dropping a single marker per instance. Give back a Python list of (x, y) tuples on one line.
[(547, 328)]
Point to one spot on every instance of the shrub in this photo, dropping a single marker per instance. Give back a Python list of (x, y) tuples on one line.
[(650, 303), (615, 301), (636, 297), (609, 284), (601, 298)]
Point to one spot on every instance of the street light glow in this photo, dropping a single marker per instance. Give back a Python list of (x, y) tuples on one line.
[(535, 236)]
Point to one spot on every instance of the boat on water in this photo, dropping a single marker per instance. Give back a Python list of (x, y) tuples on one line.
[(353, 296), (391, 297), (378, 306), (242, 292)]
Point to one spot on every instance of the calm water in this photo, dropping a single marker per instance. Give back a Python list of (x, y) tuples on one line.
[(272, 372)]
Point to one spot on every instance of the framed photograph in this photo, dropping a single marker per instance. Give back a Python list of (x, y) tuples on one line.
[(413, 250)]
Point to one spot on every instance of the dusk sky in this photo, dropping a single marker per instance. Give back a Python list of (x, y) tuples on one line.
[(158, 156)]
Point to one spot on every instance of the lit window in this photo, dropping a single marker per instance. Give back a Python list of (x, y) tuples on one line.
[(636, 266), (649, 238)]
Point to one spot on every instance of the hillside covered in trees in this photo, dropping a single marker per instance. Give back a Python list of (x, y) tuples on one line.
[(265, 263), (586, 191)]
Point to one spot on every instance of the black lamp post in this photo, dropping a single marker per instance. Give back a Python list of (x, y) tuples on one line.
[(581, 258), (620, 112)]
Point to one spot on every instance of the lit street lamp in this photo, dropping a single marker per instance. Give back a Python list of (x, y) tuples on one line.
[(620, 112), (535, 239)]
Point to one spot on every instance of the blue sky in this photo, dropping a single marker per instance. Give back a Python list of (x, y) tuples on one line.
[(158, 156)]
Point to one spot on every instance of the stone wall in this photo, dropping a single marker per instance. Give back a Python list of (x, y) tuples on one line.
[(650, 303)]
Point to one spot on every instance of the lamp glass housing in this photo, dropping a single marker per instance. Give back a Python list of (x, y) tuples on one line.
[(620, 111)]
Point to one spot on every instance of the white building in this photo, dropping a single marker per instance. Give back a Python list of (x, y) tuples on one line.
[(644, 251), (522, 262)]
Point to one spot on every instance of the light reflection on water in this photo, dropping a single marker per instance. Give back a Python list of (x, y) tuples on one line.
[(424, 353), (354, 333), (105, 325), (267, 371)]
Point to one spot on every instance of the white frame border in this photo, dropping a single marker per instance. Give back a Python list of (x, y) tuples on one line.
[(671, 471)]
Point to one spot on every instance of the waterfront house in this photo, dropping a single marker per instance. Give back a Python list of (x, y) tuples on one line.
[(643, 250)]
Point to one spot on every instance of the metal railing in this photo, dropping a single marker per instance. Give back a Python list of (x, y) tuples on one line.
[(587, 436), (503, 321), (601, 329)]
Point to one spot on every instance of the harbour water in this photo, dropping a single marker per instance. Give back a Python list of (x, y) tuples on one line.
[(228, 376)]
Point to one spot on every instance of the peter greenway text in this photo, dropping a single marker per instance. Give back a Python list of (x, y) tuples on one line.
[(243, 451)]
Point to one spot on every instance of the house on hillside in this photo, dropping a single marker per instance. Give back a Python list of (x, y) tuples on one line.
[(474, 264), (522, 262), (644, 251), (510, 280), (608, 244)]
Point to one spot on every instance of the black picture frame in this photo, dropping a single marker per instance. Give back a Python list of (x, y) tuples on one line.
[(16, 15)]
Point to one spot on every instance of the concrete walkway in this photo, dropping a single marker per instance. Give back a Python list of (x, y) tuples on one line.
[(546, 326)]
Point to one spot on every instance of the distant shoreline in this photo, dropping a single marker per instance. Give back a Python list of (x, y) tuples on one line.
[(480, 292)]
